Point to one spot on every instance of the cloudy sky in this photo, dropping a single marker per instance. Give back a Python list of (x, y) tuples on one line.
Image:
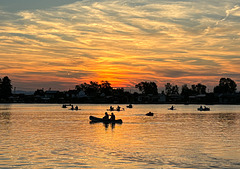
[(60, 43)]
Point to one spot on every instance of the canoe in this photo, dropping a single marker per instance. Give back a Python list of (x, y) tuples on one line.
[(96, 119), (149, 114), (75, 109)]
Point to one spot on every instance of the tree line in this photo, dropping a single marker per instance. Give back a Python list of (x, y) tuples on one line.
[(94, 88), (104, 88), (226, 85)]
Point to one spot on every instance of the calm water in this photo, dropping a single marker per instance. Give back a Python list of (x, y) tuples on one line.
[(48, 136)]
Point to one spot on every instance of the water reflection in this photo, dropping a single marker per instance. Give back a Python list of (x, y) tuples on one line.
[(106, 125), (5, 115), (229, 118), (5, 118), (47, 136)]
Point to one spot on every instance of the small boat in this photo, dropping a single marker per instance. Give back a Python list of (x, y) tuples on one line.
[(149, 114), (203, 109), (117, 109), (130, 106), (96, 119), (75, 108), (171, 108), (65, 105)]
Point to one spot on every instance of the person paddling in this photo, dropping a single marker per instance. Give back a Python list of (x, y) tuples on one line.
[(112, 117), (106, 117)]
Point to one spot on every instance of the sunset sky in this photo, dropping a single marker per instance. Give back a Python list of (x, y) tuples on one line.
[(61, 43)]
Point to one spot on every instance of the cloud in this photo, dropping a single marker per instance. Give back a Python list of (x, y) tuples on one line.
[(228, 12), (122, 41)]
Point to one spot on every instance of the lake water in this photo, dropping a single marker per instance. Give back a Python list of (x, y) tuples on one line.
[(48, 136)]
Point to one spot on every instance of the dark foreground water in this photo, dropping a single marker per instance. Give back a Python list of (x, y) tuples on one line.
[(48, 136)]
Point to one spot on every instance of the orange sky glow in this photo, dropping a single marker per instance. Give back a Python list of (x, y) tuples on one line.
[(123, 42)]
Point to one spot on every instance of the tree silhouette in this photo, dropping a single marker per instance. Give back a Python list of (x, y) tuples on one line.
[(95, 88), (171, 89), (186, 92), (147, 87), (5, 88), (91, 89), (106, 88), (226, 85), (194, 90), (198, 89)]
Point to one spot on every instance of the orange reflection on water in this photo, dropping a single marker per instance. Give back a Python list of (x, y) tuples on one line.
[(47, 135)]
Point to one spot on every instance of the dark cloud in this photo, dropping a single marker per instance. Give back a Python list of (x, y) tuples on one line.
[(19, 5), (175, 73), (64, 74)]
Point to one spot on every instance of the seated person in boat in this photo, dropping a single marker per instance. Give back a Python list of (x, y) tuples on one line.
[(111, 108), (112, 117), (118, 108), (106, 117)]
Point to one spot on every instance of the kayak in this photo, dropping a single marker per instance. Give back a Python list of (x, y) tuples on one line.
[(129, 106), (96, 119), (204, 109)]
